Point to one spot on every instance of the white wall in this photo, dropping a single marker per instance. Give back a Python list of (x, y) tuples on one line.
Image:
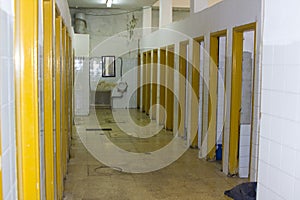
[(109, 36), (218, 17), (7, 102), (82, 74), (279, 150)]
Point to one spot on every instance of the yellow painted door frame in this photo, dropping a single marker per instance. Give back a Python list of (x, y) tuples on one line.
[(48, 98), (213, 93), (162, 80), (154, 82), (63, 100), (236, 92), (148, 78), (170, 87), (144, 96), (182, 87), (26, 97), (59, 171), (138, 98)]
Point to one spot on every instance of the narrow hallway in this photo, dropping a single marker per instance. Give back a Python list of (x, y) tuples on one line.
[(187, 178)]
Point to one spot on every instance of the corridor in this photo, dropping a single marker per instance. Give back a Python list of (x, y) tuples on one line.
[(186, 178), (149, 99)]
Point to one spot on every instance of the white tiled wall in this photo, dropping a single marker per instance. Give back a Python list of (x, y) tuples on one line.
[(279, 150), (7, 100)]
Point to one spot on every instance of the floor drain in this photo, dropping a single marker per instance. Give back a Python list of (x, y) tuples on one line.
[(98, 129)]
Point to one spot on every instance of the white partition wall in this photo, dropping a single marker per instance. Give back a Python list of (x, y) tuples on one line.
[(279, 148), (82, 80), (7, 102)]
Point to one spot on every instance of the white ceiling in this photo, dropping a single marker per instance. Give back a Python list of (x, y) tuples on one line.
[(122, 4)]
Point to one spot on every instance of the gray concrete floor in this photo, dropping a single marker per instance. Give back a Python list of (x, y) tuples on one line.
[(187, 178)]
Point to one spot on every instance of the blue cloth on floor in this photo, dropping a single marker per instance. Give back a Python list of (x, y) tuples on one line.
[(244, 191)]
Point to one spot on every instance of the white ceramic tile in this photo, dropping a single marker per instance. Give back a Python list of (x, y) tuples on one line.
[(291, 79), (288, 161), (287, 186), (4, 73), (245, 140), (262, 192), (244, 162), (274, 196), (264, 174), (290, 106), (4, 33), (5, 128), (6, 172), (275, 154), (243, 172), (278, 71), (277, 130), (290, 134), (266, 102), (275, 179), (7, 7), (244, 151), (279, 55), (297, 190), (292, 55), (264, 150), (297, 165)]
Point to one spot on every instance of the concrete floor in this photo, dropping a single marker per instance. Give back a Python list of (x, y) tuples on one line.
[(186, 178)]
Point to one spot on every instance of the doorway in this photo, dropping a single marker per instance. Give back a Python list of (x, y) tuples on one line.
[(154, 83), (182, 106), (170, 88), (216, 99), (242, 100), (162, 68), (197, 85)]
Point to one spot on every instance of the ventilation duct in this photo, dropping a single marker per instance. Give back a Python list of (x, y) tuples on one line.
[(80, 23)]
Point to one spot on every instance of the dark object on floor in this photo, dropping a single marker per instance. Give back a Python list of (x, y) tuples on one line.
[(98, 129), (244, 191)]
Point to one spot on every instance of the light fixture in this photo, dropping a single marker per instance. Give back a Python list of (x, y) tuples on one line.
[(108, 3)]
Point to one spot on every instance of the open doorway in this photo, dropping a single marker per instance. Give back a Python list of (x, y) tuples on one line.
[(162, 77), (242, 100), (170, 87), (197, 84), (182, 110), (217, 95), (201, 92)]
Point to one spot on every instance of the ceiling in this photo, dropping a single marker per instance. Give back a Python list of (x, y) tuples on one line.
[(124, 4), (177, 4), (121, 4)]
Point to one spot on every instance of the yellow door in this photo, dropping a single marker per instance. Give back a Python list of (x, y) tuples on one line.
[(48, 98), (26, 96)]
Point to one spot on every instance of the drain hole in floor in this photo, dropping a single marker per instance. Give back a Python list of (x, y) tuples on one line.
[(98, 129)]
